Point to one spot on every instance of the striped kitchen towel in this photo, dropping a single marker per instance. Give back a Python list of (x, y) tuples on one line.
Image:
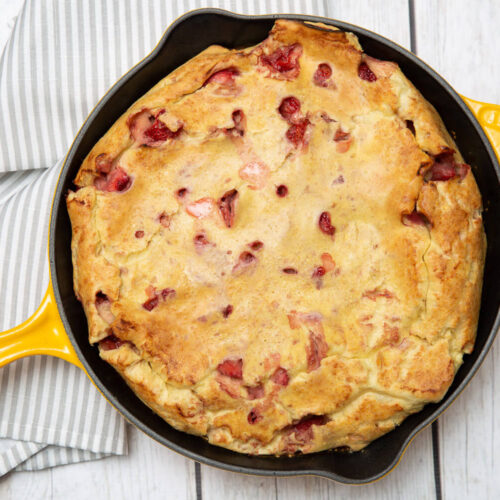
[(61, 57)]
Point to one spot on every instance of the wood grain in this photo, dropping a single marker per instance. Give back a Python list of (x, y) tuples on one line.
[(149, 471), (460, 40)]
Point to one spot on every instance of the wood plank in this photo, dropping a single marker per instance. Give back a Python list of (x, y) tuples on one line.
[(460, 40), (389, 18), (218, 484), (18, 485), (412, 478), (149, 471)]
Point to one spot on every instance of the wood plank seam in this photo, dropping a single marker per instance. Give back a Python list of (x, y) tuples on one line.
[(435, 428)]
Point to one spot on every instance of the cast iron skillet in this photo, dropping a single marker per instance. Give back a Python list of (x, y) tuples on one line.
[(213, 26)]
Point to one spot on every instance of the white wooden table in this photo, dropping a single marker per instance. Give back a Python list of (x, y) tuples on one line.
[(461, 40)]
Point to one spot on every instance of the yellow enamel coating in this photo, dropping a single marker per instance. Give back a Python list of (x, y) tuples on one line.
[(488, 115), (42, 333)]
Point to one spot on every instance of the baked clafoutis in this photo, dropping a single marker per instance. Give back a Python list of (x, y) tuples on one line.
[(280, 248)]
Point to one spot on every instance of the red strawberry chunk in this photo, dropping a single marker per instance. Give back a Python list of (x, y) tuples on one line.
[(365, 73), (415, 219), (150, 304), (232, 368), (340, 135), (288, 107), (148, 130), (303, 429), (284, 60), (227, 206), (316, 350), (167, 293), (223, 77), (256, 392), (139, 234), (280, 377), (103, 163), (200, 242), (116, 181), (110, 343), (256, 245), (164, 219), (254, 416), (446, 168), (325, 224), (318, 272), (227, 310), (295, 134), (281, 190), (159, 132), (322, 74)]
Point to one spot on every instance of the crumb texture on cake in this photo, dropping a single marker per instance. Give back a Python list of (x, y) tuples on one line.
[(280, 248)]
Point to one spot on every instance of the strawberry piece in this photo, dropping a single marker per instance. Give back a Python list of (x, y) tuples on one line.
[(167, 293), (284, 60), (227, 310), (322, 74), (255, 172), (103, 163), (316, 350), (341, 136), (446, 168), (318, 272), (110, 343), (376, 293), (200, 241), (281, 190), (295, 134), (256, 245), (227, 206), (365, 73), (232, 368), (415, 219), (288, 107), (201, 208), (256, 392), (303, 429), (139, 234), (280, 377), (150, 304), (116, 181), (247, 257), (148, 130), (254, 416), (164, 219), (325, 224), (103, 306), (223, 77)]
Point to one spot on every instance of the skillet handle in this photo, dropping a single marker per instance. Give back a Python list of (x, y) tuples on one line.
[(488, 115), (42, 333)]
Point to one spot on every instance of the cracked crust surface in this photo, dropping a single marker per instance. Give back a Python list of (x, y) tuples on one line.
[(251, 318)]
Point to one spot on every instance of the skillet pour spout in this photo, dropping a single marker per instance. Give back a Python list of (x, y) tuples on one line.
[(59, 326)]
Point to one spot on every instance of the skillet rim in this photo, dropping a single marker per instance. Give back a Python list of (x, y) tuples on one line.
[(59, 199)]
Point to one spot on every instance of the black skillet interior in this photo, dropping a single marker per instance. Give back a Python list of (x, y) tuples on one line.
[(185, 38)]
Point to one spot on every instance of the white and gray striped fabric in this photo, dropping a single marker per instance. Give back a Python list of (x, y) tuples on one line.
[(62, 56)]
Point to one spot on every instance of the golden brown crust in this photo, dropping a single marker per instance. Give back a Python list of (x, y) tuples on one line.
[(313, 337)]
